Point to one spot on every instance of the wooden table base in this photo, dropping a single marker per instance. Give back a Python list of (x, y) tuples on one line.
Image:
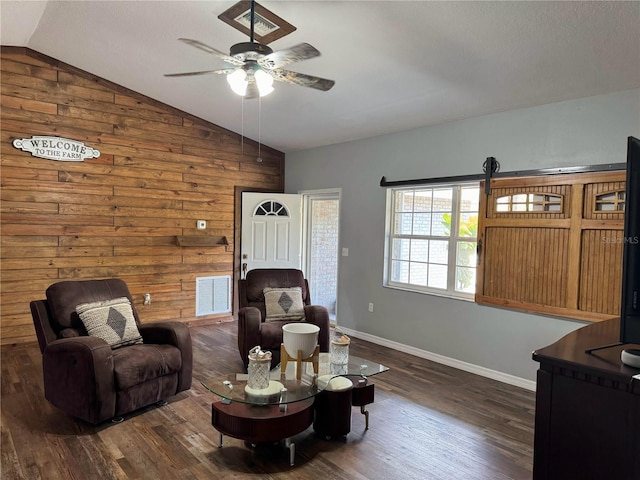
[(262, 423), (363, 395)]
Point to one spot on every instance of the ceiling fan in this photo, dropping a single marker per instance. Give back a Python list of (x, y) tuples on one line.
[(256, 65)]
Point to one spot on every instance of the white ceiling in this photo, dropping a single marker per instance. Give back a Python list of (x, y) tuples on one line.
[(398, 65)]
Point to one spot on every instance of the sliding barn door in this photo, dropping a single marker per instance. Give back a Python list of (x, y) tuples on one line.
[(553, 244)]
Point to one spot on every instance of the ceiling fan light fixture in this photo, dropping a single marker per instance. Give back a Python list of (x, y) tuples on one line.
[(255, 65), (238, 82), (264, 82)]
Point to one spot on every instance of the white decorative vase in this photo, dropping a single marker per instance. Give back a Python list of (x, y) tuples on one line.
[(339, 351), (300, 336), (258, 370)]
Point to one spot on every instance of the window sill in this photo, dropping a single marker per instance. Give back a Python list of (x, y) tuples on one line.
[(464, 298)]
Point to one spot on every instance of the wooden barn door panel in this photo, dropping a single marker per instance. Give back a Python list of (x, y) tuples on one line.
[(553, 244), (526, 265)]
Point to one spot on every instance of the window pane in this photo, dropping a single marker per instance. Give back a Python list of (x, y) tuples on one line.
[(421, 224), (400, 249), (468, 226), (423, 235), (400, 271), (466, 254), (441, 225), (439, 252), (465, 279), (605, 207), (470, 199), (418, 274), (404, 201), (419, 250), (442, 200), (438, 276), (403, 223), (422, 200)]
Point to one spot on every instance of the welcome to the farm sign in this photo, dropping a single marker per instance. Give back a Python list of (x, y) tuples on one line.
[(56, 148)]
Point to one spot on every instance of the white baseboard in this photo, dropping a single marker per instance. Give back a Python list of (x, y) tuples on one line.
[(451, 362)]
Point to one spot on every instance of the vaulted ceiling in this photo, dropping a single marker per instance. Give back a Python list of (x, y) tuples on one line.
[(398, 65)]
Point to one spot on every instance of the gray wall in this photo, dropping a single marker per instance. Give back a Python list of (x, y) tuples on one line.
[(579, 132)]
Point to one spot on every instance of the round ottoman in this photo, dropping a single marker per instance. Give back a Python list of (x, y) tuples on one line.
[(333, 407)]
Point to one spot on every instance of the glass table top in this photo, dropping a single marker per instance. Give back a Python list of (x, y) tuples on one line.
[(285, 387)]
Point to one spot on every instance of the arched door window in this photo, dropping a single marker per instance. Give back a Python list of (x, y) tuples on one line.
[(271, 208)]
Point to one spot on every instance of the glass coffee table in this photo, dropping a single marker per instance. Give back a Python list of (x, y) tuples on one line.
[(285, 407)]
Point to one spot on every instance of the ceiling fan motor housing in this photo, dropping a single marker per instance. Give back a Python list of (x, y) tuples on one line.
[(247, 50)]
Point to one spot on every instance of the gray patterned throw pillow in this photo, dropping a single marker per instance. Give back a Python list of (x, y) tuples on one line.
[(284, 303), (111, 320)]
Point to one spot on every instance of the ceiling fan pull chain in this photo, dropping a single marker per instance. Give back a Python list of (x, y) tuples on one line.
[(259, 159), (242, 126)]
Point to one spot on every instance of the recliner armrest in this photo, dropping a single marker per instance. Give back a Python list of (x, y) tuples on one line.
[(42, 322), (249, 323), (79, 379), (171, 332), (176, 334)]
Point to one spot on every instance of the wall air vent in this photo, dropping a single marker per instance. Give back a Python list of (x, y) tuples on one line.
[(267, 28), (262, 26), (213, 295)]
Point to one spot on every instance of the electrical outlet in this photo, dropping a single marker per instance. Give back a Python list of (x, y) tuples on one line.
[(147, 299), (201, 224), (370, 307)]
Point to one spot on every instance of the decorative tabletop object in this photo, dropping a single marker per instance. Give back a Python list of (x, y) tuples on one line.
[(259, 366), (299, 343), (339, 350)]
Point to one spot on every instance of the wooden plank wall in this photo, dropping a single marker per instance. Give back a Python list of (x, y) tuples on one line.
[(159, 171)]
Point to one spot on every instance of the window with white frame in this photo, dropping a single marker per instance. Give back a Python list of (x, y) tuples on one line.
[(431, 239)]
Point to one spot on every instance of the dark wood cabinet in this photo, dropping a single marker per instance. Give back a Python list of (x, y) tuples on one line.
[(587, 409)]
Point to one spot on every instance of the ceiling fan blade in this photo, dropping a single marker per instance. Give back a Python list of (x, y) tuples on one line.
[(223, 71), (281, 58), (302, 79), (212, 51)]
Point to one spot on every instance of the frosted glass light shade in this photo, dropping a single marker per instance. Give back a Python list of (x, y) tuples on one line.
[(238, 82), (264, 81)]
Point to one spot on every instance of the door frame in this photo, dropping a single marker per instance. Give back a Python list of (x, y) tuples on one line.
[(330, 193), (237, 241), (237, 226)]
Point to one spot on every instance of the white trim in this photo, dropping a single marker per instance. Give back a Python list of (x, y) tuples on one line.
[(452, 240), (307, 196), (451, 362)]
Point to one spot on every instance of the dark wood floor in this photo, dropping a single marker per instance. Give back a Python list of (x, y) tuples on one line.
[(429, 421)]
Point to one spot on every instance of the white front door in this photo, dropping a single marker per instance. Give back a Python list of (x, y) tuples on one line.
[(271, 231)]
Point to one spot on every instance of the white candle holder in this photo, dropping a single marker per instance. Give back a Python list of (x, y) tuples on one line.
[(339, 350), (259, 367)]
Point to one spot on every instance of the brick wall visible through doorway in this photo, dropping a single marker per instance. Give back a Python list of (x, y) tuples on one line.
[(323, 274)]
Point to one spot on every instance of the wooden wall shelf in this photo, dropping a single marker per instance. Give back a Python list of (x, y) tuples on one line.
[(201, 241)]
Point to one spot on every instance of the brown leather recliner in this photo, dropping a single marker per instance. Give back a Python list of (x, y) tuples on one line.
[(84, 377), (252, 328)]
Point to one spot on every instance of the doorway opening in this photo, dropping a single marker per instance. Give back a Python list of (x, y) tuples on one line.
[(321, 237)]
